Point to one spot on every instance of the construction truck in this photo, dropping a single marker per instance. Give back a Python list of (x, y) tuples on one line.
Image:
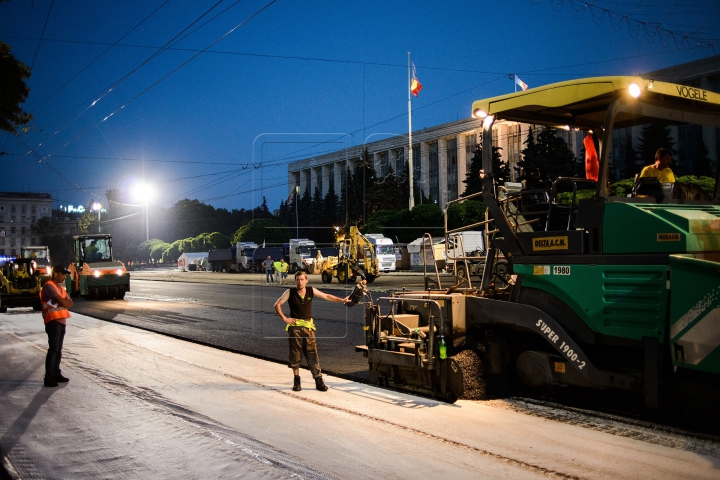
[(94, 273), (604, 292), (356, 258), (20, 283), (384, 250), (41, 255)]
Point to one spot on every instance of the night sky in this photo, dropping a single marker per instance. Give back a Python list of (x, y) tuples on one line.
[(211, 100)]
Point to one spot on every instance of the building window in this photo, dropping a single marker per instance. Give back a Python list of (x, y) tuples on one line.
[(33, 210), (23, 230), (319, 180), (306, 182), (2, 240), (23, 210), (417, 168), (13, 252), (13, 230), (434, 175), (12, 242), (2, 251), (33, 219), (22, 241), (12, 209), (383, 164), (12, 218), (399, 157), (470, 146), (452, 170)]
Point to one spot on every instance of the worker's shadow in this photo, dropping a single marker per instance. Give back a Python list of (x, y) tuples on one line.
[(18, 428)]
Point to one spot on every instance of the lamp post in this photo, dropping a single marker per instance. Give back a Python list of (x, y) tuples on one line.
[(297, 222), (96, 206), (144, 192)]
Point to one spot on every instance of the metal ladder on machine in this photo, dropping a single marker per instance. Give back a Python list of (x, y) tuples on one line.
[(428, 280)]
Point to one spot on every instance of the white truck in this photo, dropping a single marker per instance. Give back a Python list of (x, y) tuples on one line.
[(299, 255), (467, 245), (243, 252), (384, 251)]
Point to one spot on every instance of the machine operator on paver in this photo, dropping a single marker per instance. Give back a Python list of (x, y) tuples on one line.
[(605, 292)]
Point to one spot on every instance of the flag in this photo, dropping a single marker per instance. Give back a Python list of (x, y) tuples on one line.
[(519, 82), (289, 197), (415, 85), (592, 164), (263, 243)]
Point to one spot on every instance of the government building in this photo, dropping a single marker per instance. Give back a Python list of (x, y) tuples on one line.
[(442, 154), (19, 211)]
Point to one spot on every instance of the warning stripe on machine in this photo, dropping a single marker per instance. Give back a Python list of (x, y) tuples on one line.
[(703, 337)]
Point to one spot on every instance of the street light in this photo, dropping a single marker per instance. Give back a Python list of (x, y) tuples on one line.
[(144, 192), (297, 223), (96, 206)]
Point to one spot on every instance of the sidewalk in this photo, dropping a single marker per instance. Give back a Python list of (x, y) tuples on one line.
[(142, 405)]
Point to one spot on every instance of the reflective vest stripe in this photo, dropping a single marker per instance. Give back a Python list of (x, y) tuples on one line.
[(50, 313), (299, 322)]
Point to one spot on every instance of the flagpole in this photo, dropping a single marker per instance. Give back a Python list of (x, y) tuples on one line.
[(411, 202)]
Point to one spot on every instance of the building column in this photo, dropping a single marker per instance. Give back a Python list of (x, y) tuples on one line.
[(442, 172), (424, 181), (461, 162)]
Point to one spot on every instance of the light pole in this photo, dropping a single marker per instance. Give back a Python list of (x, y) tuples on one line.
[(97, 207), (144, 192), (297, 222)]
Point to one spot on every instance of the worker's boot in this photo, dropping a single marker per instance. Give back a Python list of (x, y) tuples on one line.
[(296, 384), (320, 385)]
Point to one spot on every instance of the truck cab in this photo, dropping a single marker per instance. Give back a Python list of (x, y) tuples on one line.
[(300, 255), (243, 253), (384, 251)]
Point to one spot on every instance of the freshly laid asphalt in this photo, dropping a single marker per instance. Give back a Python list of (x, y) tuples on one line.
[(143, 405)]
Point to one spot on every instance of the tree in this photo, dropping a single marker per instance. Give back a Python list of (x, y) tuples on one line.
[(472, 178), (331, 203), (630, 165), (652, 137), (500, 168), (701, 166), (389, 194), (550, 154), (262, 230), (501, 171), (52, 234), (88, 223), (14, 90)]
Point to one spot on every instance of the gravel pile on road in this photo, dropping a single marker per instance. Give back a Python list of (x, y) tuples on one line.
[(472, 367)]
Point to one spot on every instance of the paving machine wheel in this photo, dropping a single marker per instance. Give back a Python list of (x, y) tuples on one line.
[(326, 277)]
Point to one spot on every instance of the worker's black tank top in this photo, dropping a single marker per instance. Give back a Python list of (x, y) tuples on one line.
[(299, 307)]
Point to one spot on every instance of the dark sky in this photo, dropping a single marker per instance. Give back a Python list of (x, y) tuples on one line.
[(210, 100)]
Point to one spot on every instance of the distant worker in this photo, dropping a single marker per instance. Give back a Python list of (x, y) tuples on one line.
[(276, 268), (55, 303), (319, 262), (661, 168), (22, 272), (283, 271), (301, 327), (92, 252), (268, 264)]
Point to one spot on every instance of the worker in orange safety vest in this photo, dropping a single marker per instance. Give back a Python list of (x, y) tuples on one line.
[(55, 303)]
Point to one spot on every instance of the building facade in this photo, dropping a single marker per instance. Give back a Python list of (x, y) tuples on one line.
[(19, 211), (442, 154)]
